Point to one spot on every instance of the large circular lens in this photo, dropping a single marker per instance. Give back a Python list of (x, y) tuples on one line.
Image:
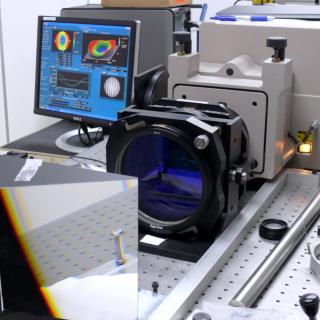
[(170, 181)]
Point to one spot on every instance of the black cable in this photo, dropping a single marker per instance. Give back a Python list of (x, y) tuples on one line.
[(96, 138), (26, 155), (293, 139), (237, 2), (86, 143), (84, 128), (90, 141), (94, 160), (22, 155)]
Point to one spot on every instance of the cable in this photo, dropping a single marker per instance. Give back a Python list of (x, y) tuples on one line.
[(22, 155), (314, 126), (91, 141), (96, 138), (90, 159), (239, 1), (293, 139), (27, 155), (84, 128)]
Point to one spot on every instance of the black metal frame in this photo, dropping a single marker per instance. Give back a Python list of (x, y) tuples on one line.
[(225, 150)]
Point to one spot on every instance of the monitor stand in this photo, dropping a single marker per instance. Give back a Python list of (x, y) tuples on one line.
[(72, 142)]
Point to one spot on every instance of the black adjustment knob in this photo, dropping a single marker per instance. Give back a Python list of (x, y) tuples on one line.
[(182, 36), (279, 45), (310, 305), (184, 40), (277, 42), (201, 316), (155, 286)]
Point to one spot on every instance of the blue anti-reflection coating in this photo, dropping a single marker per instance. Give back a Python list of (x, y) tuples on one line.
[(170, 182)]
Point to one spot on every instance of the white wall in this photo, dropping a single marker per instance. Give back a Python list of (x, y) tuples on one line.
[(3, 123), (214, 6), (19, 25)]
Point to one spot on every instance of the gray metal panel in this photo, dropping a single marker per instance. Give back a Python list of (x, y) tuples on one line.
[(50, 174), (44, 140), (157, 26), (306, 12)]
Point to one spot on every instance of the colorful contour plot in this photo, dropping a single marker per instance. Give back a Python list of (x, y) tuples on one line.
[(101, 48), (62, 41)]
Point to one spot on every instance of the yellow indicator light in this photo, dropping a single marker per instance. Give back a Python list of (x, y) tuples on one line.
[(301, 135), (305, 148)]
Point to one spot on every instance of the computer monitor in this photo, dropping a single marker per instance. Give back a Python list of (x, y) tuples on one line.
[(85, 68)]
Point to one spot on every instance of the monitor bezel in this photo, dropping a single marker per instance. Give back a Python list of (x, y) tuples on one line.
[(131, 66)]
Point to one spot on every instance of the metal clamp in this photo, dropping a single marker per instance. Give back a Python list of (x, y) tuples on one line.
[(239, 176)]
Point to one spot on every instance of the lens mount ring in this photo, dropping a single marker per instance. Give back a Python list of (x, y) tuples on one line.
[(273, 229)]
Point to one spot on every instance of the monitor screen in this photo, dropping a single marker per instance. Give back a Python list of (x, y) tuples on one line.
[(84, 68)]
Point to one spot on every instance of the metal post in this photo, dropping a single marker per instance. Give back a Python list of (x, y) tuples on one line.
[(4, 85), (1, 298), (119, 251), (249, 293)]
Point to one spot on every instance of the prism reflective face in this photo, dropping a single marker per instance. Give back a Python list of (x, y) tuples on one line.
[(170, 181)]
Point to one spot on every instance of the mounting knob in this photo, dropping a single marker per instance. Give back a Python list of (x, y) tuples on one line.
[(155, 286), (184, 40), (310, 305), (279, 45), (201, 316)]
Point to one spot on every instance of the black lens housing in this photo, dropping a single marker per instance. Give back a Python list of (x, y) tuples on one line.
[(183, 122)]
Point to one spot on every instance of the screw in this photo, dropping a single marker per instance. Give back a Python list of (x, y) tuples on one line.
[(244, 178), (201, 142), (120, 256), (155, 286)]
